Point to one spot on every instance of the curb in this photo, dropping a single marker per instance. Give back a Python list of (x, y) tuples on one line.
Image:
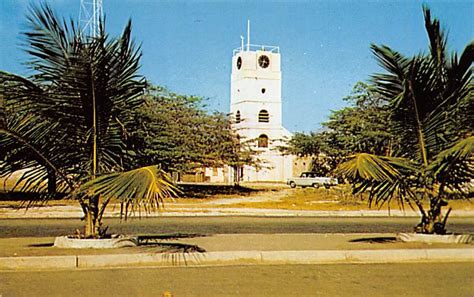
[(239, 258)]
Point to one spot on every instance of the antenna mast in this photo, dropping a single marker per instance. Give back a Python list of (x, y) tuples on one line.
[(248, 35), (90, 14)]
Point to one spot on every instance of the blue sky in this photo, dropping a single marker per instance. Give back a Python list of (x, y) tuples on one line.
[(187, 45)]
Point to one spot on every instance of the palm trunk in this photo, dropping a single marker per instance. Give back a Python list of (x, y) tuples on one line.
[(92, 224), (93, 221), (433, 222), (94, 129), (421, 136)]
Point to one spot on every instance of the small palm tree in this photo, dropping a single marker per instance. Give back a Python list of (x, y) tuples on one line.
[(66, 123), (431, 106)]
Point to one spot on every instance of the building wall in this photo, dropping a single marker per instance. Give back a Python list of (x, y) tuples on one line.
[(254, 89)]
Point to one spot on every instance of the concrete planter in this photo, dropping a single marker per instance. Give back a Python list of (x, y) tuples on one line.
[(108, 243), (435, 238)]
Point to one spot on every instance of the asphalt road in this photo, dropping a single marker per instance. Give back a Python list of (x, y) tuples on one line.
[(428, 279), (226, 225)]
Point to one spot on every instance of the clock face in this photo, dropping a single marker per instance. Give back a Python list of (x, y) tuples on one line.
[(239, 62), (263, 61)]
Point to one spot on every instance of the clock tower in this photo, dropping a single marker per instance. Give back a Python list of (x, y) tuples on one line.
[(255, 104)]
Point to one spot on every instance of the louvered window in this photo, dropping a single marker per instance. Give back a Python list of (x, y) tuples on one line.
[(263, 116), (237, 117)]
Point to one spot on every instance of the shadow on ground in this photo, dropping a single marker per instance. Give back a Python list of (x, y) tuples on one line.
[(200, 191), (163, 242), (375, 240)]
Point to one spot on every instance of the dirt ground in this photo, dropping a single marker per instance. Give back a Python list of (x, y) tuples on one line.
[(259, 199)]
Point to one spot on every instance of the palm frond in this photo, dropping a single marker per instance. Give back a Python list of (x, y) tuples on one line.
[(437, 39), (382, 177), (142, 188), (371, 167), (70, 74), (389, 84), (454, 167)]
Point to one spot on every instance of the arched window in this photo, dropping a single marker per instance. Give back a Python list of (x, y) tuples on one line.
[(237, 117), (263, 141), (263, 116)]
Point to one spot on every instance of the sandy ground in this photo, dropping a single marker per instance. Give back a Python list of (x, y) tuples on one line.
[(218, 207), (267, 202)]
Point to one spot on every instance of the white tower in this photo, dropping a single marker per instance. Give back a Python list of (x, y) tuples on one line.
[(256, 106), (90, 14)]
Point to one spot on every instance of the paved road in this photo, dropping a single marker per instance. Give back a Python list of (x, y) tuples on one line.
[(226, 225), (430, 279)]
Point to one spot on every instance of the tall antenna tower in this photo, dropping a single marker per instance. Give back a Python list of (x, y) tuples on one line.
[(90, 14)]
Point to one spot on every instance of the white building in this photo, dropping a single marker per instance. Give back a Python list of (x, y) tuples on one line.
[(255, 103)]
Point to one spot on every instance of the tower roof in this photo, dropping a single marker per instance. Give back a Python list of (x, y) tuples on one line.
[(256, 47)]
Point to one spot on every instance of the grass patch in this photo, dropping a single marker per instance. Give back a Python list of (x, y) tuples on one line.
[(307, 199)]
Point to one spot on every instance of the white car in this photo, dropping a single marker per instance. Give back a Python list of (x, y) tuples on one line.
[(309, 179)]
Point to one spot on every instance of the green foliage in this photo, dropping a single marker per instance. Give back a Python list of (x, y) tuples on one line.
[(176, 132), (304, 145), (53, 110), (430, 105), (361, 127)]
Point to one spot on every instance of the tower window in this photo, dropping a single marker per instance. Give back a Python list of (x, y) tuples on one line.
[(263, 116), (263, 90), (263, 61), (263, 141), (237, 117), (239, 62)]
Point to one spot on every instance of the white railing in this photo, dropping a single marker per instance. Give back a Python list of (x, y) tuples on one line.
[(257, 47)]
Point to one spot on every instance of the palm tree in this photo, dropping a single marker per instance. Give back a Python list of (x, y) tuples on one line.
[(66, 123), (431, 106)]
